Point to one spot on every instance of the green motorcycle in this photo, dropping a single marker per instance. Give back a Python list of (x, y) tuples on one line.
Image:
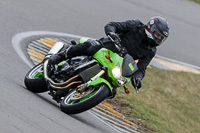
[(82, 82)]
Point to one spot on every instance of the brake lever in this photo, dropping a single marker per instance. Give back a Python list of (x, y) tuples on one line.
[(110, 38), (118, 46)]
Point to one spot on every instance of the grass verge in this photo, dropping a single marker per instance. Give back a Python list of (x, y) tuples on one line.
[(169, 102), (197, 1)]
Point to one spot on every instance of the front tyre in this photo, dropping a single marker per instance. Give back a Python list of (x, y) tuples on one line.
[(34, 80), (73, 104)]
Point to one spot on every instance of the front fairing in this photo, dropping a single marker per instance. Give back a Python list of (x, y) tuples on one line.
[(110, 64)]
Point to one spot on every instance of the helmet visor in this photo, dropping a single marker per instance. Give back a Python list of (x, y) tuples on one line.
[(158, 37)]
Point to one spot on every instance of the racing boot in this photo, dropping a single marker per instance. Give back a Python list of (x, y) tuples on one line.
[(57, 58)]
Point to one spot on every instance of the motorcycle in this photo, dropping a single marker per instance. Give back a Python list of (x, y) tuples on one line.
[(82, 82)]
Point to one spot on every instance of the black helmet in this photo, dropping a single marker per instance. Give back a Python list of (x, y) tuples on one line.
[(157, 29)]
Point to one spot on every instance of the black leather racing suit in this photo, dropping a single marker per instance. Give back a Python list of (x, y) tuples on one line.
[(133, 37)]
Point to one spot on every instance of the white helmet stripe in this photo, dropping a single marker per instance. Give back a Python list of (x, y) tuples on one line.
[(148, 33)]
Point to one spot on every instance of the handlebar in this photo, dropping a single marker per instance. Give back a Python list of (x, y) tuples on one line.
[(121, 50), (118, 46)]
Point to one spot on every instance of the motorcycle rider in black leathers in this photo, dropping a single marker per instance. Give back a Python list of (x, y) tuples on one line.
[(140, 41)]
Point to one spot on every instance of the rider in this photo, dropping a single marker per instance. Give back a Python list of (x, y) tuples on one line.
[(140, 41)]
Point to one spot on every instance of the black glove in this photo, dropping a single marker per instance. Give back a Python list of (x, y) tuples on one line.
[(115, 37), (57, 58), (136, 82)]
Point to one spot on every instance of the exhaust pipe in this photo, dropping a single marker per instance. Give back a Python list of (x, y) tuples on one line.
[(65, 87)]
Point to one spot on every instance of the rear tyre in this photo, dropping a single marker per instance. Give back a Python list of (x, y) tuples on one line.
[(34, 80), (96, 96)]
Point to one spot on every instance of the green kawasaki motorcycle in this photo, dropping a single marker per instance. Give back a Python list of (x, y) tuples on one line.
[(82, 82)]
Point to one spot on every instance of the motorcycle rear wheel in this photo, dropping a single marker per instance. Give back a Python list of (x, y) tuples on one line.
[(34, 80), (96, 97)]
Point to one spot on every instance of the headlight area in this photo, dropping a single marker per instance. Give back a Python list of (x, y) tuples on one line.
[(117, 74)]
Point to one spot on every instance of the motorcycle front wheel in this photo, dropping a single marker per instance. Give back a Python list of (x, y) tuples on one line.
[(34, 80), (75, 103)]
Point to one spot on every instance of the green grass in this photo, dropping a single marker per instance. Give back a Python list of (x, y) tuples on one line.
[(169, 101), (198, 1)]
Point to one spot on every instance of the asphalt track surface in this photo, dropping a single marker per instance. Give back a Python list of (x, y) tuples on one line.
[(23, 111)]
